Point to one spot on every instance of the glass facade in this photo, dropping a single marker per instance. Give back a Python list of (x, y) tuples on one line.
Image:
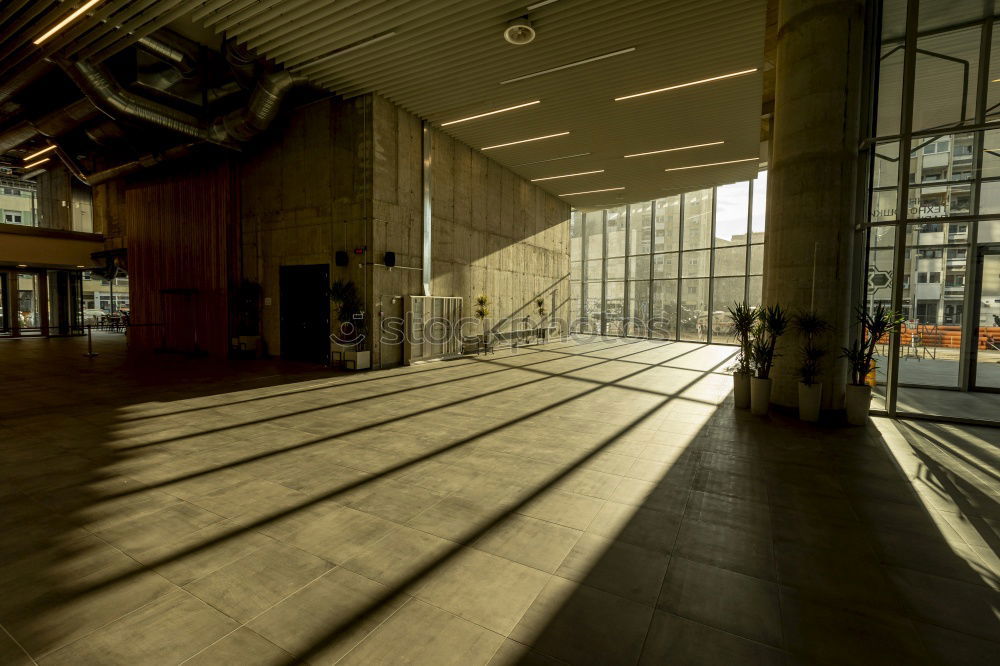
[(934, 197), (669, 268)]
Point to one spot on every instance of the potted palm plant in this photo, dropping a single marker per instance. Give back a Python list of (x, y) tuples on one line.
[(772, 321), (810, 326), (744, 317), (482, 311), (875, 324)]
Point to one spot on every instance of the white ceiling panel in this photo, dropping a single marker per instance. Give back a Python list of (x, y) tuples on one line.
[(446, 59)]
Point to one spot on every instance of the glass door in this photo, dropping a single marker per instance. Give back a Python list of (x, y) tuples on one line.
[(986, 373)]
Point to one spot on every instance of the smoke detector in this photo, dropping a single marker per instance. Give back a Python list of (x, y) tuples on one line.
[(519, 32)]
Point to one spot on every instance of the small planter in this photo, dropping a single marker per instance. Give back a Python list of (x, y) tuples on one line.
[(810, 396), (741, 390), (760, 395), (357, 360), (859, 400)]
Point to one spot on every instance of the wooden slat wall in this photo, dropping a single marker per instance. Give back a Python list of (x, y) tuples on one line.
[(182, 231)]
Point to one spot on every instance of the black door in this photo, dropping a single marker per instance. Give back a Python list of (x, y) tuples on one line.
[(305, 313)]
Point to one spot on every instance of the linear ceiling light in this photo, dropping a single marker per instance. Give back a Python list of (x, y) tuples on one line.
[(540, 4), (534, 138), (39, 153), (34, 164), (689, 83), (490, 113), (607, 189), (553, 159), (66, 21), (670, 150), (567, 175), (568, 65), (698, 166)]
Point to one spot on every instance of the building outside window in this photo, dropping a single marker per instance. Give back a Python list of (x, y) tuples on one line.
[(669, 268)]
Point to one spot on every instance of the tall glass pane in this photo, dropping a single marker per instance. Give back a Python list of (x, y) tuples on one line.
[(28, 304), (616, 232), (614, 308), (731, 261), (696, 263), (640, 228), (638, 267), (665, 265), (944, 90), (759, 213), (594, 229), (725, 293), (732, 214), (698, 219), (988, 352), (694, 309), (638, 306), (663, 310), (666, 227)]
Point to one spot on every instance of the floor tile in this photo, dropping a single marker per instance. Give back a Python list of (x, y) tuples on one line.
[(617, 567), (675, 640), (723, 599), (258, 580), (421, 634)]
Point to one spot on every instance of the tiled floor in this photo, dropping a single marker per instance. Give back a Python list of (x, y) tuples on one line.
[(590, 502)]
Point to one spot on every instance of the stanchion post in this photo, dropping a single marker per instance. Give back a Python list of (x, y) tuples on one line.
[(90, 342)]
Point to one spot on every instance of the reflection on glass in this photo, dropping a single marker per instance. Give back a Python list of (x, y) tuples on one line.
[(665, 265), (944, 90), (576, 236), (638, 304), (666, 225), (696, 264), (890, 89), (590, 319), (594, 228), (639, 228), (614, 308), (616, 269), (698, 219), (663, 311), (725, 293), (638, 267), (756, 259), (694, 310), (755, 290), (731, 261), (28, 303), (574, 303), (616, 232)]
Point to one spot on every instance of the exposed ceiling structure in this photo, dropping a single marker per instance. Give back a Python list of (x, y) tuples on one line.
[(581, 125), (446, 60)]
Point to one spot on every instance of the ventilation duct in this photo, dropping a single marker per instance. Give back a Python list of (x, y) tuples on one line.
[(265, 103), (109, 96), (54, 124), (24, 78), (171, 50)]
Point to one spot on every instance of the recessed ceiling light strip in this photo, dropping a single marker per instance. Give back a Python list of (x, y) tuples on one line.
[(698, 166), (607, 189), (552, 159), (490, 113), (66, 21), (568, 65), (540, 4), (39, 153), (34, 164), (689, 84), (534, 138), (347, 49), (567, 175), (670, 150)]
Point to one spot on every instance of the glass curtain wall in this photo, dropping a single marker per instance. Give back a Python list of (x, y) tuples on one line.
[(669, 268), (933, 219)]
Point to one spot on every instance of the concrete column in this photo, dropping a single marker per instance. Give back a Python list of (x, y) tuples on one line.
[(812, 179)]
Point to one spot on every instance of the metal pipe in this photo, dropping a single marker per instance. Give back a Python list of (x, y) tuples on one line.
[(171, 49), (53, 124)]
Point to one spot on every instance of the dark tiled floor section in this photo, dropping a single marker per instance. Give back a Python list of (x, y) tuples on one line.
[(589, 502)]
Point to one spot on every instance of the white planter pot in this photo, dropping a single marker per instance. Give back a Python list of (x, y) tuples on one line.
[(810, 396), (357, 360), (741, 390), (760, 395), (859, 400)]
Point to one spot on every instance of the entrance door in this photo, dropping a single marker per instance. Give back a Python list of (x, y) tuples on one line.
[(305, 313), (986, 369)]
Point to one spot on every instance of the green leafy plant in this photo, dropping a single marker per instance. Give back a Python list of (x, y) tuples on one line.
[(875, 324), (744, 318), (772, 321), (810, 326), (345, 297)]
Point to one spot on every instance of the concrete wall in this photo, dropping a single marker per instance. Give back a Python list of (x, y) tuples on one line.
[(305, 195), (493, 232)]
